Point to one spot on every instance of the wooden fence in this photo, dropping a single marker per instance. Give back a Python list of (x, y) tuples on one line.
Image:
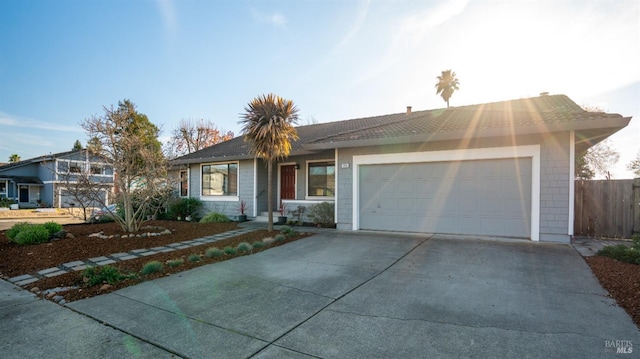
[(607, 208)]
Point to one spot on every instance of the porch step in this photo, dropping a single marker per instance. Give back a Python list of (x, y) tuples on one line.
[(264, 217)]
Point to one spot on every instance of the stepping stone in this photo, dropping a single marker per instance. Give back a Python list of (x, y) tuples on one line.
[(26, 281), (20, 278), (48, 270), (174, 245), (138, 251), (145, 254), (128, 257), (167, 250), (79, 268), (54, 274), (119, 255), (183, 247), (98, 259), (73, 264), (104, 263), (158, 249)]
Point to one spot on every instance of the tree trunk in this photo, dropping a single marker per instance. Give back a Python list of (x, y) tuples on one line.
[(269, 199)]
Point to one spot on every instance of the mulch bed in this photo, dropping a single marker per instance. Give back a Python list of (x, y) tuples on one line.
[(621, 280), (16, 260)]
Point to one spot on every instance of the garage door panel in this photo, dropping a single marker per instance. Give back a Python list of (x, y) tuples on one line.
[(491, 197)]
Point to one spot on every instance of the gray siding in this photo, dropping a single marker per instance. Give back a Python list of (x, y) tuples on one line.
[(554, 181), (554, 188), (230, 208)]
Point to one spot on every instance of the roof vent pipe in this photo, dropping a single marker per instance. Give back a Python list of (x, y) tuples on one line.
[(408, 110)]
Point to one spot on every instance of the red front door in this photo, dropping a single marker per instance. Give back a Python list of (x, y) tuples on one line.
[(288, 182)]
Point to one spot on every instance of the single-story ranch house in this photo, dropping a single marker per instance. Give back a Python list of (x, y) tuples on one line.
[(41, 181), (495, 169)]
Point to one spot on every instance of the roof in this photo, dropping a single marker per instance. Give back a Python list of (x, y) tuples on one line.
[(23, 180), (38, 159), (541, 114)]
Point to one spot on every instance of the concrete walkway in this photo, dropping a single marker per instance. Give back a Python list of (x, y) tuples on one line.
[(343, 295)]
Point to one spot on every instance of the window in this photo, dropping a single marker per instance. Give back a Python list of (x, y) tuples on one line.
[(74, 169), (96, 170), (3, 188), (321, 179), (220, 180), (184, 183)]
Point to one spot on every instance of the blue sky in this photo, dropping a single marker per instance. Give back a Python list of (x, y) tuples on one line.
[(62, 61)]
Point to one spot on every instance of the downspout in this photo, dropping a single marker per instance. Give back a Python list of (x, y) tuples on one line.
[(572, 181), (255, 187), (335, 193)]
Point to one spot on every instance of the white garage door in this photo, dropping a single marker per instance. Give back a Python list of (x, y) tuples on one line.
[(485, 197)]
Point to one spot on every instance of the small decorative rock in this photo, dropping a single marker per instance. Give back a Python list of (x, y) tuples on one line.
[(35, 290), (58, 298), (51, 295), (105, 287), (69, 236)]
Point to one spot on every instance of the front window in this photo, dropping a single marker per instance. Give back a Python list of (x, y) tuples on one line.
[(96, 170), (184, 184), (321, 179), (220, 179), (3, 188), (74, 169)]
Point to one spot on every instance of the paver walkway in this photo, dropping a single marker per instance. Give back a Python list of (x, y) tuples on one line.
[(79, 265)]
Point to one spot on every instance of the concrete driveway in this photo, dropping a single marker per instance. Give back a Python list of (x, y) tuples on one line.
[(342, 295)]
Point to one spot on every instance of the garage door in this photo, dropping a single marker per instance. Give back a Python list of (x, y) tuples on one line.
[(485, 197)]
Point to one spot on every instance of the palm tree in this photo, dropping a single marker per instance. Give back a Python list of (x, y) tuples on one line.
[(447, 84), (268, 125), (14, 158)]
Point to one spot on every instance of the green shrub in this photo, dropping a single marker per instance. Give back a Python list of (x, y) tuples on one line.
[(230, 250), (636, 242), (184, 207), (194, 258), (215, 217), (280, 237), (6, 202), (621, 253), (106, 274), (152, 267), (288, 231), (31, 234), (244, 247), (17, 228), (213, 252), (322, 213), (53, 227), (258, 244), (174, 262)]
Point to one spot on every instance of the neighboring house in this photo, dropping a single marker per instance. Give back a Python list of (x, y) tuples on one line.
[(496, 169), (42, 181)]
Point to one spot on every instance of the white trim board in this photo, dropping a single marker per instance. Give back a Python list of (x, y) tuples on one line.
[(531, 151)]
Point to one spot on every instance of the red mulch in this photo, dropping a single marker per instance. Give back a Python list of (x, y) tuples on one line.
[(17, 260), (621, 280)]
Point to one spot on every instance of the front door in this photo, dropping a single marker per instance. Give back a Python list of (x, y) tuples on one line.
[(24, 194), (288, 182)]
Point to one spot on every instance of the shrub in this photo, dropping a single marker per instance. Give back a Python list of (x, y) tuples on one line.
[(152, 267), (194, 258), (53, 227), (184, 207), (215, 217), (106, 274), (6, 202), (636, 242), (258, 244), (280, 237), (621, 253), (174, 262), (17, 228), (288, 231), (30, 234), (322, 213), (244, 247), (230, 250), (213, 252)]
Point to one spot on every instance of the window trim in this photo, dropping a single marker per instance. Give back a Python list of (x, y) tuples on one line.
[(220, 197), (180, 182), (306, 190)]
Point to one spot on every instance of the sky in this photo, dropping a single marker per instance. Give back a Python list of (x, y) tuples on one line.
[(62, 61)]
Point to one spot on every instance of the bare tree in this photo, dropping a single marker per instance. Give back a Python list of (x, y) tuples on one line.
[(191, 136), (601, 157), (84, 189), (634, 165), (128, 142)]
